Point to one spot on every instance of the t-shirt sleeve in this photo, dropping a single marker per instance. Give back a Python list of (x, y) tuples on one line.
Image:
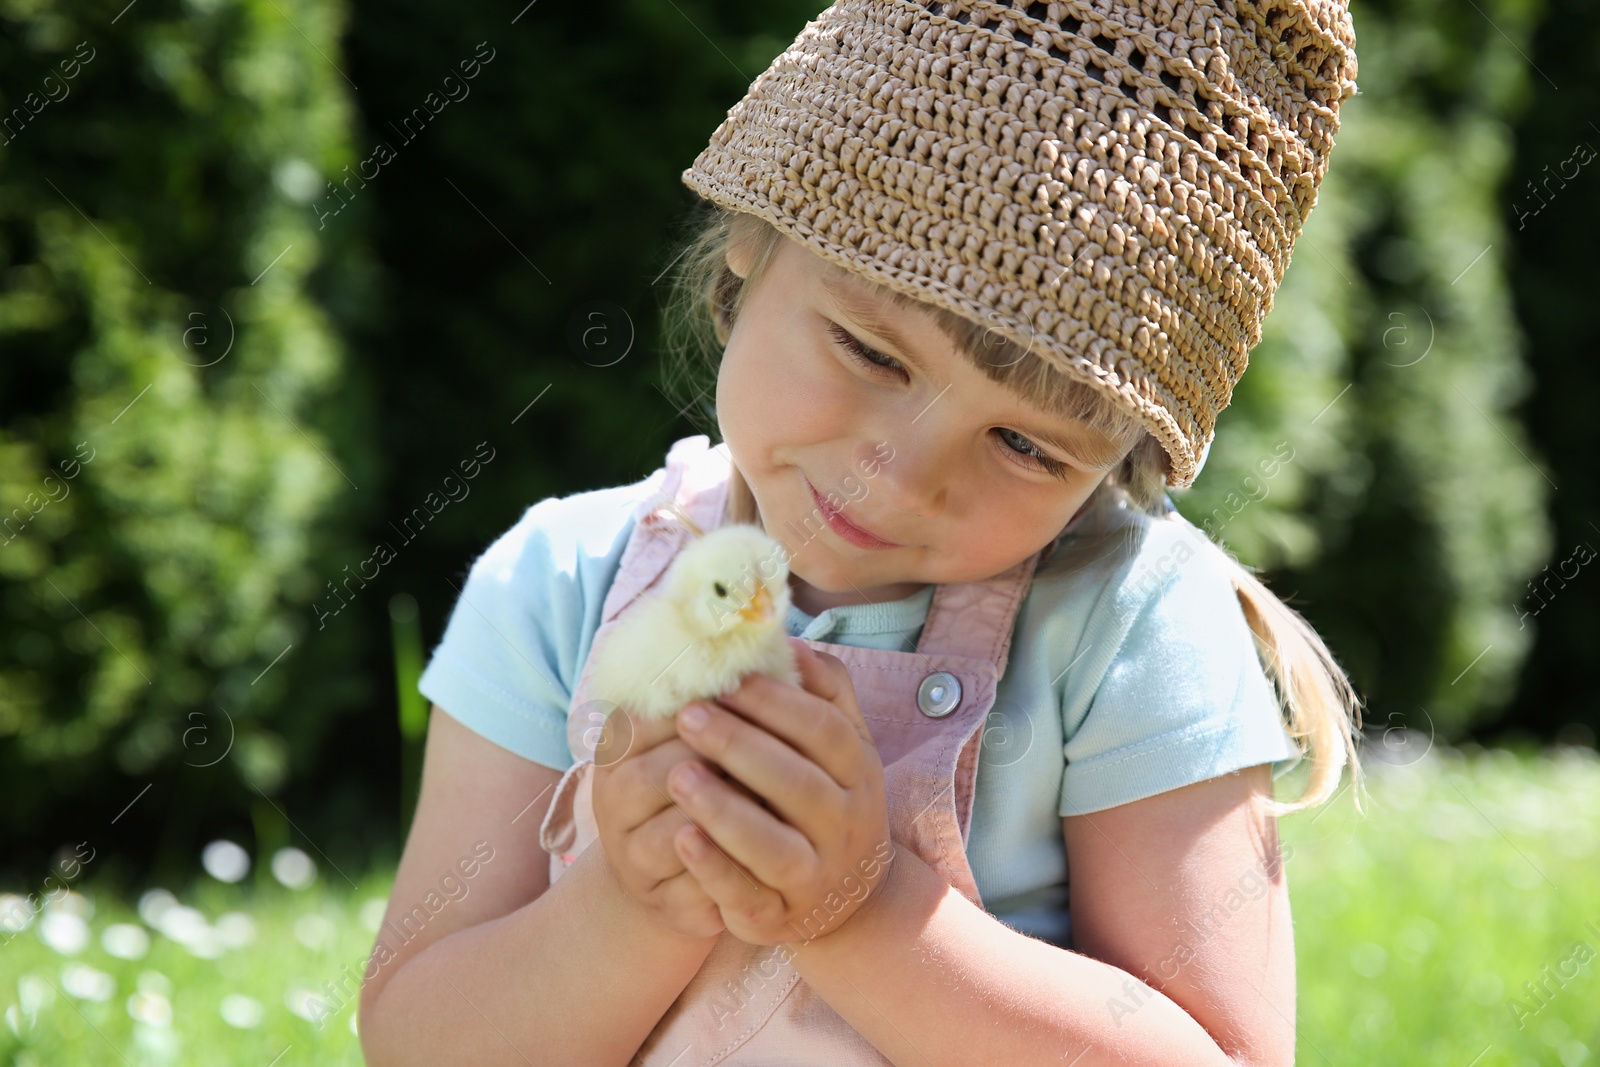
[(1185, 697), (521, 627)]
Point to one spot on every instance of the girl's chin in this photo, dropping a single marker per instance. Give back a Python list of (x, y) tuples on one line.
[(835, 582), (805, 585), (822, 572)]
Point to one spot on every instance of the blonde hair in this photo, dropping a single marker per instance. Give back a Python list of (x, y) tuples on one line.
[(1322, 710)]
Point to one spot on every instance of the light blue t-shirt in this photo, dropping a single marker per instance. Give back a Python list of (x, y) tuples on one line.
[(1132, 672)]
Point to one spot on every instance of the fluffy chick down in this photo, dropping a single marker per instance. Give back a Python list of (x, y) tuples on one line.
[(716, 616)]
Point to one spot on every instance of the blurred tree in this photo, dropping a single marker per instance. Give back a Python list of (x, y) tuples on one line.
[(1411, 509), (1551, 209), (177, 459)]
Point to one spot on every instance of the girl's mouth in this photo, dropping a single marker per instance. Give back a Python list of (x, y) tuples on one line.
[(846, 529)]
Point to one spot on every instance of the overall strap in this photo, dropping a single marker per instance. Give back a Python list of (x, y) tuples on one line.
[(974, 619), (694, 483)]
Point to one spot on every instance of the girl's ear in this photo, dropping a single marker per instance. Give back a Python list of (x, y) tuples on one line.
[(739, 255), (744, 234)]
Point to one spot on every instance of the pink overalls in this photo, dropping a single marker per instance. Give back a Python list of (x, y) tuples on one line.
[(926, 711)]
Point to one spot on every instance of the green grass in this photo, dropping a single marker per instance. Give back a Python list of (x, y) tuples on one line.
[(1416, 927), (313, 941)]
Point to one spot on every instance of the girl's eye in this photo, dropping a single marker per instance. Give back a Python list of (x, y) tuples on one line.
[(863, 355), (870, 358), (1053, 467)]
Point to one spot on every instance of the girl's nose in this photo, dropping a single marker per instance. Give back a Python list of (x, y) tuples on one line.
[(914, 479)]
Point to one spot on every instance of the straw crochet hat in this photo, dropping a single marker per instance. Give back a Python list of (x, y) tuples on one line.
[(1114, 185)]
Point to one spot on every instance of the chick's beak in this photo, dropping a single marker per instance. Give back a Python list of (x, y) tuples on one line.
[(759, 608)]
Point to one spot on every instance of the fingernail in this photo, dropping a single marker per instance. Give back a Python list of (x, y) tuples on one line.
[(695, 716)]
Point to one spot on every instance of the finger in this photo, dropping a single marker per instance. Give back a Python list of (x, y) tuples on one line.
[(620, 735), (821, 674), (683, 897), (812, 726), (798, 790), (650, 843), (772, 851), (644, 777), (662, 801), (722, 878), (825, 675), (650, 849)]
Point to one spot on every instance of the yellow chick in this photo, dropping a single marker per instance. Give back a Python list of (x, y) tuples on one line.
[(717, 616)]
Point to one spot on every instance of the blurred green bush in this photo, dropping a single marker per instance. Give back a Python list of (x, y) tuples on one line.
[(164, 326), (1411, 508)]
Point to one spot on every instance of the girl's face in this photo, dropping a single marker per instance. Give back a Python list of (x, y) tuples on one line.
[(945, 470)]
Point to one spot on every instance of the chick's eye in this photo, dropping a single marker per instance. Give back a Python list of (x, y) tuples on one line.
[(720, 589)]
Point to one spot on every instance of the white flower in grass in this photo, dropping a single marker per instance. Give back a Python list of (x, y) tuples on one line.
[(16, 913), (293, 868), (205, 945), (154, 904), (372, 912), (236, 929), (151, 1008), (242, 1012), (71, 902), (64, 932), (154, 982), (125, 941), (189, 928), (158, 1043), (313, 931), (87, 983), (181, 923), (308, 1005), (34, 993), (225, 861)]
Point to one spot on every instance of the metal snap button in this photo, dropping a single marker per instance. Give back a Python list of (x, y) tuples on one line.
[(939, 694)]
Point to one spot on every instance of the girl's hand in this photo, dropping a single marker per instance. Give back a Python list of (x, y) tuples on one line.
[(637, 820), (797, 860)]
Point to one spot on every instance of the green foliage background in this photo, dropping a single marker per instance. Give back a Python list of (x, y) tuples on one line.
[(210, 177), (1414, 509), (167, 302)]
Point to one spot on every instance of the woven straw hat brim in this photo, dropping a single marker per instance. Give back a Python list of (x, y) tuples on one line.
[(1118, 191)]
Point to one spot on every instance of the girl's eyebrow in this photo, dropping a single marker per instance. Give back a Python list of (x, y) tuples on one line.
[(862, 308), (1091, 456), (865, 311)]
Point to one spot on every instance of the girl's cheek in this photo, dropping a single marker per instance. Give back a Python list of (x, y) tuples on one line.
[(832, 398), (799, 380), (756, 390)]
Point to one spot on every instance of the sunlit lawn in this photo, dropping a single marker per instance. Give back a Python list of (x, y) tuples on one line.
[(1458, 919), (231, 975), (1417, 927)]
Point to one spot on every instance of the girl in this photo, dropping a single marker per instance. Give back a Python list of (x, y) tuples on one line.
[(976, 280)]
